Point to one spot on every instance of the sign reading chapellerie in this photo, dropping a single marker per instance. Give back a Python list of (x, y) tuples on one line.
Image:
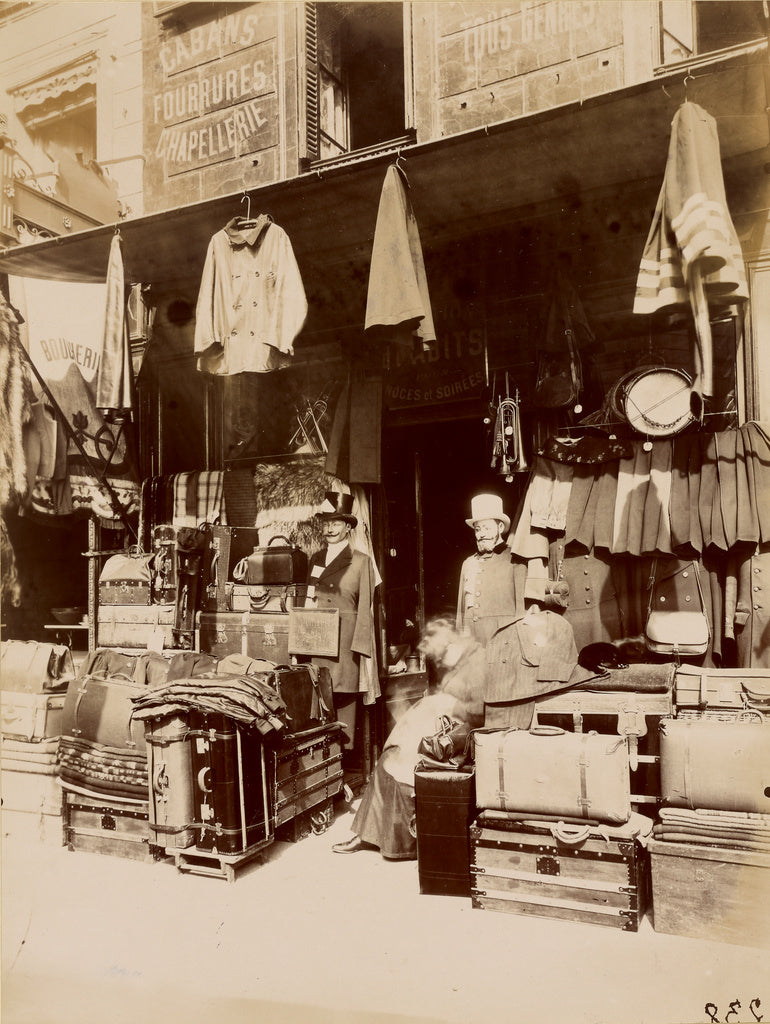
[(215, 97)]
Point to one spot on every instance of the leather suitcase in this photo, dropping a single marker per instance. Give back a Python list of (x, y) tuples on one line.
[(306, 690), (721, 766), (722, 688), (99, 709), (31, 717), (27, 666), (230, 784), (116, 829), (726, 903), (134, 625), (276, 563), (306, 772), (445, 806), (546, 869), (244, 597), (262, 635), (550, 771), (170, 777)]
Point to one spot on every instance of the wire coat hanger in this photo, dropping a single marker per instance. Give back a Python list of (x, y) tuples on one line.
[(247, 221)]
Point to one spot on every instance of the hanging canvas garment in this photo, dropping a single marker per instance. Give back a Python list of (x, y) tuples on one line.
[(692, 258), (251, 303), (64, 333), (398, 288), (113, 379)]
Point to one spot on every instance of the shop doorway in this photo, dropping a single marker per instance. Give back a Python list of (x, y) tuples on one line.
[(430, 472)]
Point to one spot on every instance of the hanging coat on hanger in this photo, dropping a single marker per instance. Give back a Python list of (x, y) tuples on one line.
[(398, 286), (251, 302), (692, 258)]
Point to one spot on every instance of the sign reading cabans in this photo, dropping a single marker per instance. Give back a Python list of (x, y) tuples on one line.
[(217, 98)]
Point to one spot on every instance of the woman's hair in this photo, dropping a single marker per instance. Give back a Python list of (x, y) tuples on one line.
[(441, 627)]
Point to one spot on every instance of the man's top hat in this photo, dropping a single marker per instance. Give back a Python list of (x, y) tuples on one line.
[(338, 506), (488, 506)]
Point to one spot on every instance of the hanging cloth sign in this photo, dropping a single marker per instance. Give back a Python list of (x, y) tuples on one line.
[(64, 334)]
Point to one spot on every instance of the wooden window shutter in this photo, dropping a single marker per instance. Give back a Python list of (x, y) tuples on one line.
[(311, 83)]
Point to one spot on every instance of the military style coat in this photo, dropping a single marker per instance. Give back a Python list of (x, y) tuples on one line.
[(491, 593), (347, 584)]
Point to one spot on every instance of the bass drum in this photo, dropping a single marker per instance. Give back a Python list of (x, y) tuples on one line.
[(656, 400)]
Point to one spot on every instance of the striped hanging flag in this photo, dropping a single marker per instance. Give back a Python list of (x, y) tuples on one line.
[(691, 227)]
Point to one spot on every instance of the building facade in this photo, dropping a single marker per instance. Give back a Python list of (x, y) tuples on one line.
[(533, 139)]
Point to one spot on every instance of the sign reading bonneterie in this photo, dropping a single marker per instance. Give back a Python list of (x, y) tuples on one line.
[(213, 94)]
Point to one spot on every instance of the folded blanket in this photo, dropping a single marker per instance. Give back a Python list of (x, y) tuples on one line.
[(728, 844)]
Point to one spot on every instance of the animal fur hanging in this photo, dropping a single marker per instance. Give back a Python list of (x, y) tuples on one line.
[(15, 409), (288, 495)]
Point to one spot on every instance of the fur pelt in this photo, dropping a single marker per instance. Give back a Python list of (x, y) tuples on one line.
[(288, 496), (15, 409), (11, 586)]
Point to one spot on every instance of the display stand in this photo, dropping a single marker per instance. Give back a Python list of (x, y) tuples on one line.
[(217, 865)]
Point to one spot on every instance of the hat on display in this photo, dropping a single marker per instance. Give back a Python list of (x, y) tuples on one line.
[(488, 506), (338, 506)]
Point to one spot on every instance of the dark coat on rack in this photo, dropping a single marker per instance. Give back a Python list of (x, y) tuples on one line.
[(347, 583)]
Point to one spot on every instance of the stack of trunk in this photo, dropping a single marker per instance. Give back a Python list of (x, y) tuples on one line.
[(710, 853), (557, 836), (34, 676)]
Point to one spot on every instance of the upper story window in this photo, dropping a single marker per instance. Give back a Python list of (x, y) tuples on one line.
[(355, 77), (694, 27)]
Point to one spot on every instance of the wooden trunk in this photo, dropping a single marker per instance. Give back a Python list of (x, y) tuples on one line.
[(708, 892), (115, 829), (520, 868), (307, 772)]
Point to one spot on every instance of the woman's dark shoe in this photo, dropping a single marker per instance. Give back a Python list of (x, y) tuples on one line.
[(351, 845)]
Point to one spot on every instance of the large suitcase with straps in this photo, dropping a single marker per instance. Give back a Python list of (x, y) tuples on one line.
[(549, 771)]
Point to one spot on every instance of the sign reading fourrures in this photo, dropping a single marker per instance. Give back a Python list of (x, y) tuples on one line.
[(215, 95)]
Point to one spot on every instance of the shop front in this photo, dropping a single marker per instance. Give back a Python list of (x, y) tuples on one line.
[(546, 384)]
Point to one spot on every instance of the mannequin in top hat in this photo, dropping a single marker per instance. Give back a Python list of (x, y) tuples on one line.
[(491, 584), (341, 577)]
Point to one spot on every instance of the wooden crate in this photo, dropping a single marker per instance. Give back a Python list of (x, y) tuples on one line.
[(709, 892), (520, 868)]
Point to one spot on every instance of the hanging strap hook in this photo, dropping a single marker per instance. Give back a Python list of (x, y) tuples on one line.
[(247, 199)]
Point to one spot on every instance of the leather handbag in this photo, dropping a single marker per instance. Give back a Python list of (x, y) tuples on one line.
[(449, 744), (549, 771), (671, 628)]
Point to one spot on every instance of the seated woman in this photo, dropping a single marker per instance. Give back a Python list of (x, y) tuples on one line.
[(385, 816)]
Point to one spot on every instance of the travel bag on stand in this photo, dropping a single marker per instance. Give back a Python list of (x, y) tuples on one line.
[(724, 766), (549, 771)]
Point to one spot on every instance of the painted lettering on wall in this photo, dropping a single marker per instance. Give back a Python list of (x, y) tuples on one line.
[(185, 144), (535, 23), (62, 348), (215, 97), (206, 42), (209, 92), (452, 368)]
